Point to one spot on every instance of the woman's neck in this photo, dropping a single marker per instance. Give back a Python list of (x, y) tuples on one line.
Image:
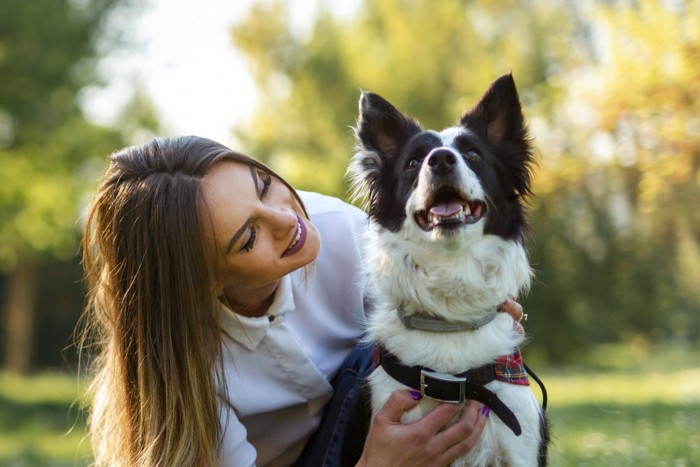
[(250, 302)]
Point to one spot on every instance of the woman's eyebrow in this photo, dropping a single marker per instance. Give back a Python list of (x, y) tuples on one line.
[(237, 234)]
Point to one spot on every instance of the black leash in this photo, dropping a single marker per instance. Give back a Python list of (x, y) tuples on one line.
[(540, 384)]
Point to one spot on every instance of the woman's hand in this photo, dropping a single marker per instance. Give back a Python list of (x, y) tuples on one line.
[(428, 441), (515, 310), (425, 442)]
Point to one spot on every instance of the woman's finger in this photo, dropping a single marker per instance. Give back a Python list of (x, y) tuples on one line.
[(464, 424), (398, 403), (438, 418), (513, 308), (467, 433)]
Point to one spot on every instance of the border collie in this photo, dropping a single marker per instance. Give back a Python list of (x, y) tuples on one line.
[(445, 247)]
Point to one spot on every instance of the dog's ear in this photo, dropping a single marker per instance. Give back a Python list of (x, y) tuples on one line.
[(499, 117), (498, 114), (381, 127), (381, 133)]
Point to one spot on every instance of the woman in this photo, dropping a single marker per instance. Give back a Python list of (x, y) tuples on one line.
[(222, 305)]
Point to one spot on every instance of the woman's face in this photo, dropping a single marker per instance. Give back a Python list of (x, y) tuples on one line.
[(258, 229)]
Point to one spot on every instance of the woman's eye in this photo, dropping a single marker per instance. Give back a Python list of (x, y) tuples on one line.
[(412, 164), (267, 181), (471, 155), (251, 240)]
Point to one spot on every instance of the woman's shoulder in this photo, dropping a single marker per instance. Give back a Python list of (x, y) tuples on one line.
[(341, 226), (323, 206)]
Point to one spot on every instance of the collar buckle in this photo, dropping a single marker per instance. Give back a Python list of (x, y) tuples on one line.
[(443, 387)]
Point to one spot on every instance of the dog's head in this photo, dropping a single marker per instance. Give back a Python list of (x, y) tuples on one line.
[(466, 180)]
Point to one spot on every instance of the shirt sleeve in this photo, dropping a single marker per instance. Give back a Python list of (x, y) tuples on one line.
[(235, 448), (329, 296)]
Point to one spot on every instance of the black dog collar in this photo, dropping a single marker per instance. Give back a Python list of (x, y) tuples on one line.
[(450, 388)]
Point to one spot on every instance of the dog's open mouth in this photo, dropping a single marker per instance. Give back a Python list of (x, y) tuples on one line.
[(449, 209)]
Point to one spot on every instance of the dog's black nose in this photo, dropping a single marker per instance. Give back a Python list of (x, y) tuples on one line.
[(441, 161)]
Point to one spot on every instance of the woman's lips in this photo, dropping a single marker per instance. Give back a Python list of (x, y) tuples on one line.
[(299, 240)]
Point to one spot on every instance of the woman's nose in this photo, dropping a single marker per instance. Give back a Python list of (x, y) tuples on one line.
[(281, 220)]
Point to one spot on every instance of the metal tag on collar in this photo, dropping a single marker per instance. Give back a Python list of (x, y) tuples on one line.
[(427, 376)]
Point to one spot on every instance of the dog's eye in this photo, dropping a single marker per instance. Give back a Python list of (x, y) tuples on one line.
[(412, 164), (472, 156)]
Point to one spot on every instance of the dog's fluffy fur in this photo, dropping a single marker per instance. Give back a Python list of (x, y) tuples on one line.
[(447, 239)]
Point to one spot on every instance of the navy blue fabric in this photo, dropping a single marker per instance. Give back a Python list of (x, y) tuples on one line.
[(325, 448)]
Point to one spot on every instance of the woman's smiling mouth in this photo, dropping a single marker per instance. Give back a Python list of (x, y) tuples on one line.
[(298, 240)]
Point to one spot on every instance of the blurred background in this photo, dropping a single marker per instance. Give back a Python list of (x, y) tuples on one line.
[(611, 91)]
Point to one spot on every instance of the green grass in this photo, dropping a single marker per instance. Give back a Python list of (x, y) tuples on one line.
[(40, 421), (654, 434), (625, 406), (625, 418)]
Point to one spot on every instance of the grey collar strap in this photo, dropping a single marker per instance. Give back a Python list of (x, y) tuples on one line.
[(424, 322)]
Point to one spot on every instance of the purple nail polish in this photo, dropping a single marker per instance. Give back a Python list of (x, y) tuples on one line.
[(485, 411), (416, 395)]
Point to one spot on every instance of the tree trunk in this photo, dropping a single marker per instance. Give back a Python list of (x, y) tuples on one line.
[(20, 318)]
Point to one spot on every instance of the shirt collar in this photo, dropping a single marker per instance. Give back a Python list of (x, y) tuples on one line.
[(249, 332)]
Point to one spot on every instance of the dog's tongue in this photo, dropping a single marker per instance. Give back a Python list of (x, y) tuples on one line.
[(446, 209)]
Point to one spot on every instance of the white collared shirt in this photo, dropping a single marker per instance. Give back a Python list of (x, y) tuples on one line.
[(278, 367)]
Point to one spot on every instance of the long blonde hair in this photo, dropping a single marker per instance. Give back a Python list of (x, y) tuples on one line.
[(151, 325)]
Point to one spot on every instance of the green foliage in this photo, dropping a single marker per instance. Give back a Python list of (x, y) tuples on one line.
[(611, 93), (432, 59), (46, 56), (49, 153), (616, 224)]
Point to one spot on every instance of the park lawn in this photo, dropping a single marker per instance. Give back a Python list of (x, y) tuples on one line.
[(625, 419), (608, 414), (626, 405), (41, 423)]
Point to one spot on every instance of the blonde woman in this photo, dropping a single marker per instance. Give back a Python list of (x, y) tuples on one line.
[(222, 320)]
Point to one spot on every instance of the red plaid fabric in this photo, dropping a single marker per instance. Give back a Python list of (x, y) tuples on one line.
[(510, 369)]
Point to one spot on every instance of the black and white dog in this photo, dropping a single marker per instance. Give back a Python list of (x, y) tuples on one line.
[(445, 248)]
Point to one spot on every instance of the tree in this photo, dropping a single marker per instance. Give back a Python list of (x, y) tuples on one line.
[(627, 181), (47, 54), (432, 59), (610, 89)]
